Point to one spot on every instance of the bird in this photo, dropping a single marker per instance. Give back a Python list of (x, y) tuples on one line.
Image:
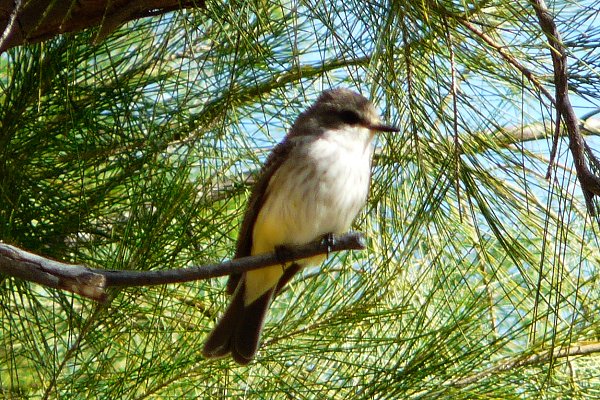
[(313, 184)]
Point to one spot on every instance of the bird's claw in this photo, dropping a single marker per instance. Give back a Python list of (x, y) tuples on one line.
[(329, 241), (282, 254)]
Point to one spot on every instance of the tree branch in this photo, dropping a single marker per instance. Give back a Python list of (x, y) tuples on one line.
[(590, 184), (534, 359), (93, 282), (30, 21)]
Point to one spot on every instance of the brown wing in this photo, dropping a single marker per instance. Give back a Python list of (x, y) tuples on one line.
[(257, 199)]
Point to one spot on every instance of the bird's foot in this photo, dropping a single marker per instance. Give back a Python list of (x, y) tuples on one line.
[(329, 241), (283, 253)]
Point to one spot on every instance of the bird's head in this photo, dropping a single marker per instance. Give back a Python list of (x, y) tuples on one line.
[(340, 110)]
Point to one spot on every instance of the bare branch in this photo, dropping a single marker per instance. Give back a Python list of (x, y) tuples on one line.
[(32, 21), (534, 359), (92, 282), (31, 267), (590, 183)]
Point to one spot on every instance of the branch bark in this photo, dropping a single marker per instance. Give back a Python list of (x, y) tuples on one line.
[(93, 282), (30, 21), (589, 182)]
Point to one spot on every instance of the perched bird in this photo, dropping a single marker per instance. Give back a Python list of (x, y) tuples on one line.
[(313, 183)]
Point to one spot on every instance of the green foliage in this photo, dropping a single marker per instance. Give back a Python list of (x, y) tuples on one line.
[(135, 153)]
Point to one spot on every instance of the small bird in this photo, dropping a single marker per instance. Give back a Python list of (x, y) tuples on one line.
[(313, 183)]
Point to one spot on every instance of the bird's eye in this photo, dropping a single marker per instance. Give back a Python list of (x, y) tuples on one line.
[(349, 117)]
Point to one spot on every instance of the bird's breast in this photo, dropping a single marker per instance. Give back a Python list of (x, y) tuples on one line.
[(318, 189)]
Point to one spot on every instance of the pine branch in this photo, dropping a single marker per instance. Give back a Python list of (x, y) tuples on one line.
[(93, 282)]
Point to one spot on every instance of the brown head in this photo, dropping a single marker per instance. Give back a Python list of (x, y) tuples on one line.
[(337, 109)]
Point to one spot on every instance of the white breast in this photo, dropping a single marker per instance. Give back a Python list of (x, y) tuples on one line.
[(320, 189)]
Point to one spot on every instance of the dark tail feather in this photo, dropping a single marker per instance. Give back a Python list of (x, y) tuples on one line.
[(247, 333), (218, 343), (233, 282), (238, 331), (285, 278)]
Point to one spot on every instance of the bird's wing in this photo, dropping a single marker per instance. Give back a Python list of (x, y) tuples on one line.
[(257, 199)]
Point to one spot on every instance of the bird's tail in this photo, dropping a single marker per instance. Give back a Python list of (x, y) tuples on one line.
[(238, 331)]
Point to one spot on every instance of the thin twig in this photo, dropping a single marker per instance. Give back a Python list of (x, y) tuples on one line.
[(534, 359), (93, 282), (509, 58)]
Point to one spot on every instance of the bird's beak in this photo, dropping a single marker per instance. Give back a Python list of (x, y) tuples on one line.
[(384, 128)]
